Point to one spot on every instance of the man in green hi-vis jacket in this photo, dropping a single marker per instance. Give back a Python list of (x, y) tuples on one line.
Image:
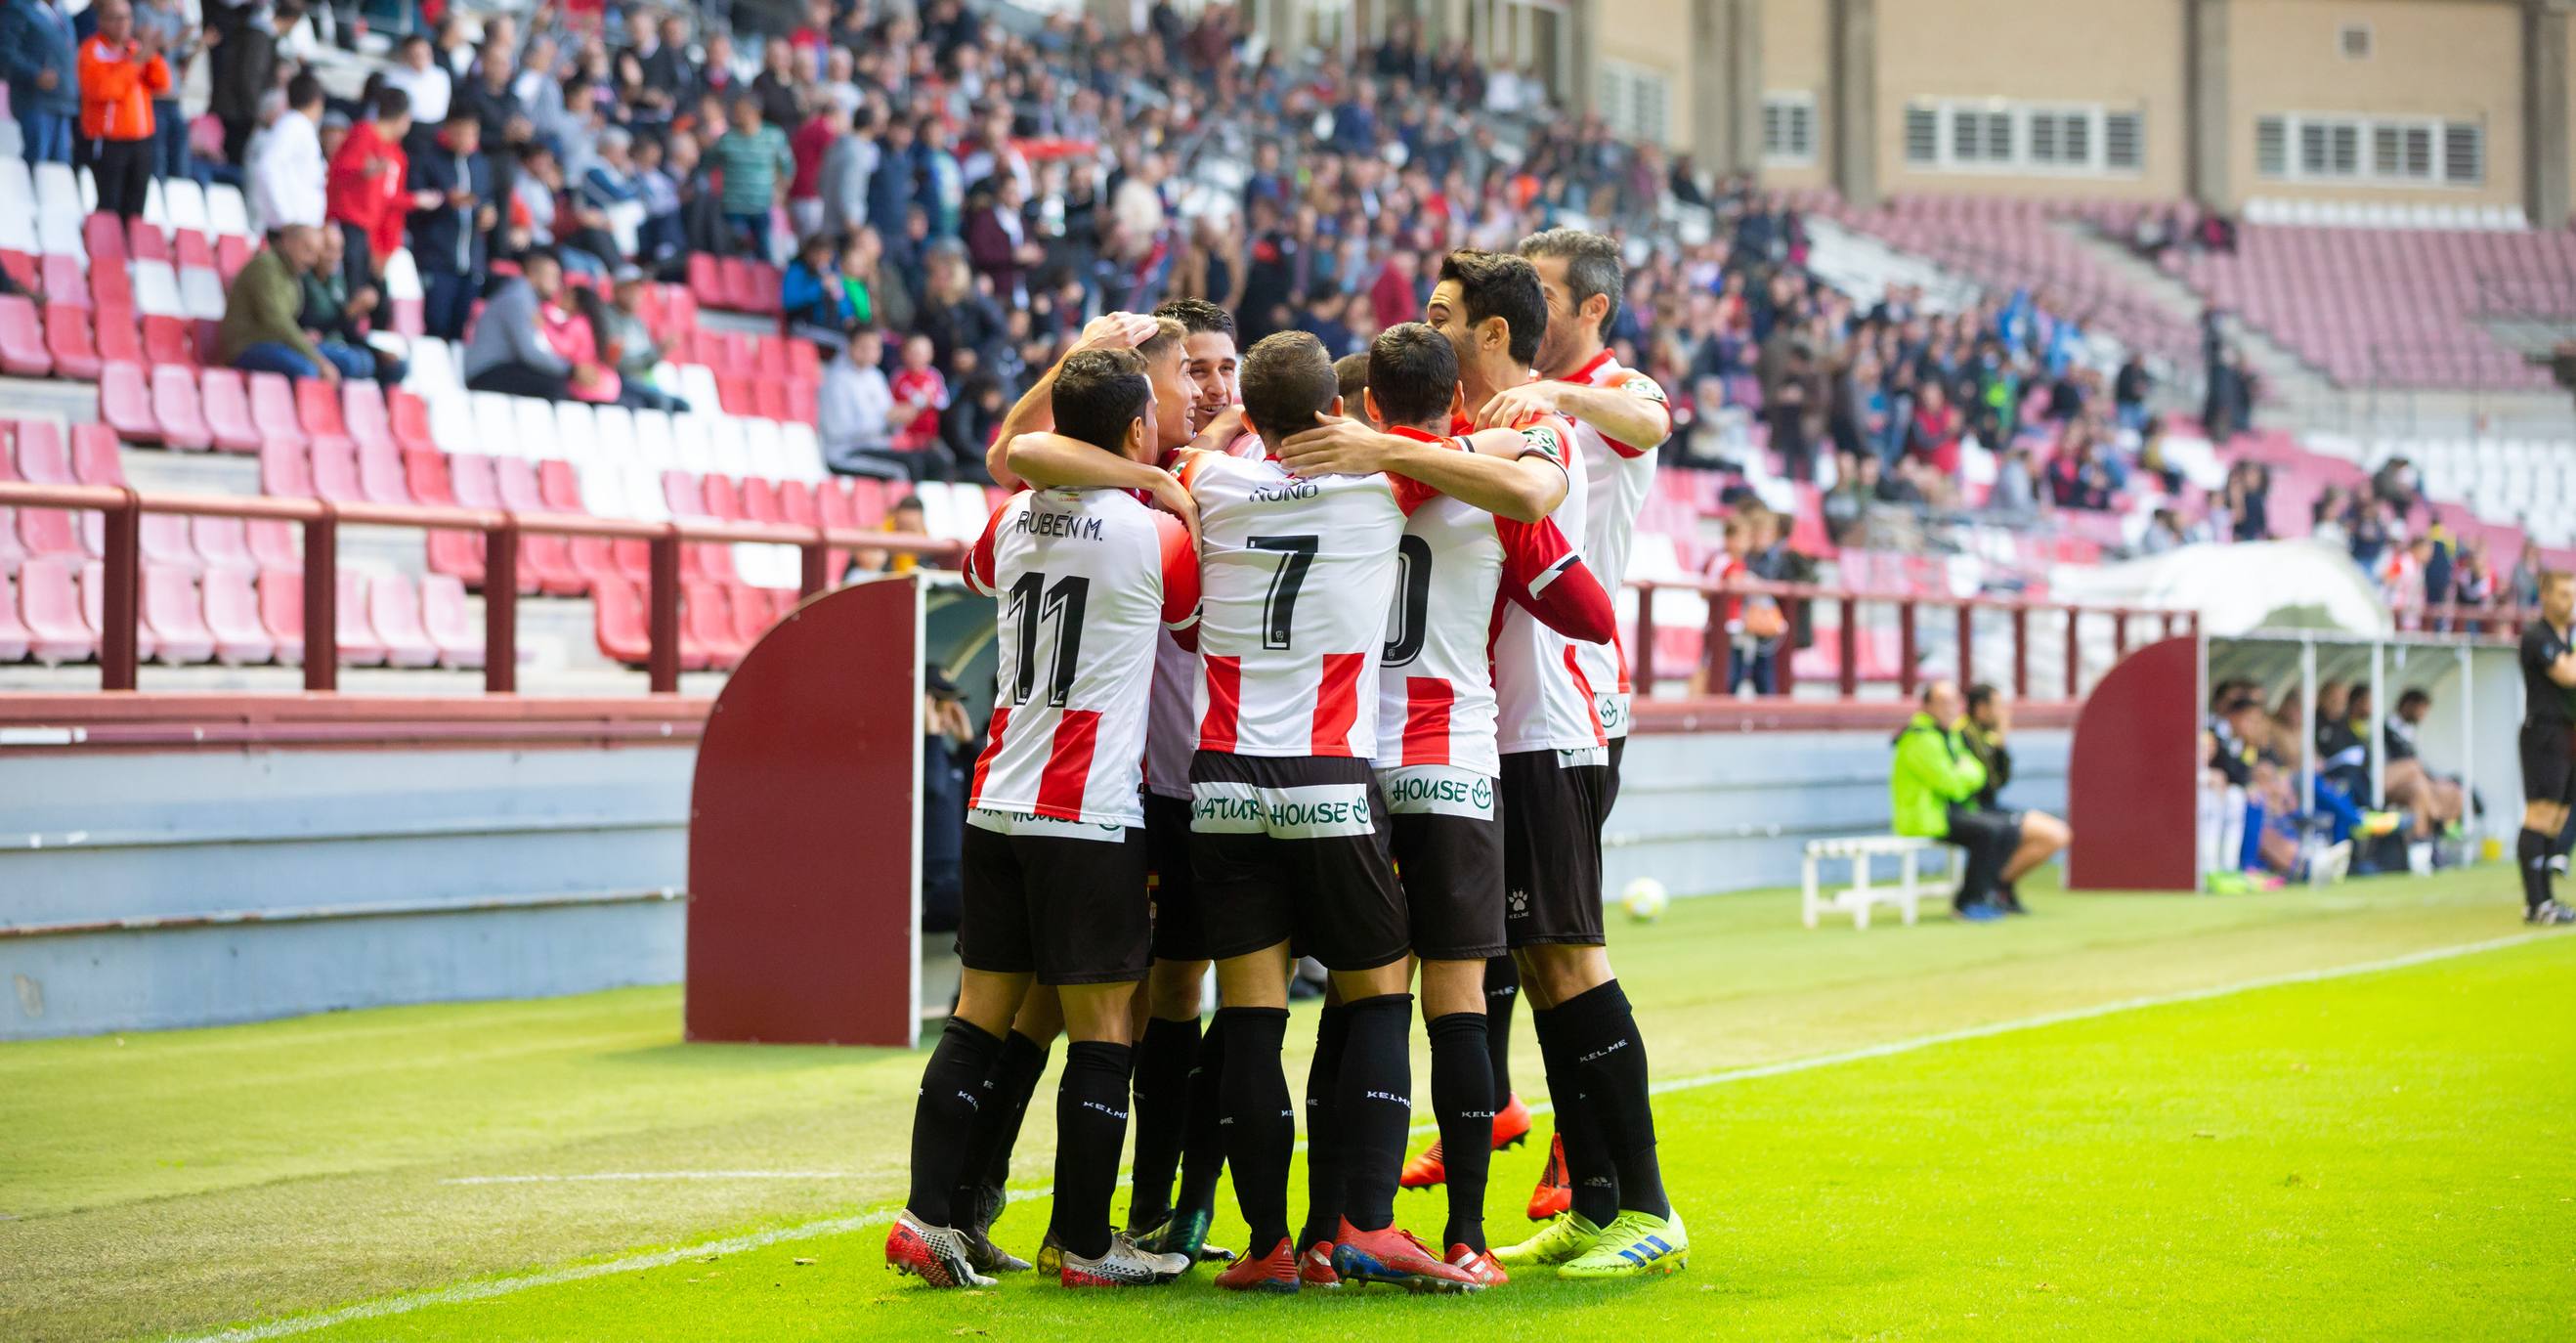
[(1933, 787)]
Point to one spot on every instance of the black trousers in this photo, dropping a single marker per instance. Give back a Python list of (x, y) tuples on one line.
[(1987, 840), (123, 171)]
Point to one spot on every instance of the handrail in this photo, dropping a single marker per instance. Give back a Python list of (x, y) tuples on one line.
[(121, 606)]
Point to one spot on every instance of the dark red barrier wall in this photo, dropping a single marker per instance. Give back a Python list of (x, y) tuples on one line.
[(2132, 777), (804, 926)]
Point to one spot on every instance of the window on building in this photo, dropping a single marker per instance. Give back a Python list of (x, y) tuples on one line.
[(2370, 151), (1789, 128), (2353, 40), (1635, 102), (2021, 138), (1922, 136)]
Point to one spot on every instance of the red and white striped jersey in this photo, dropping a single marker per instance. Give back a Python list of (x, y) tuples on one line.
[(1297, 574), (1171, 720), (1617, 477), (1544, 698), (1458, 566), (1088, 581)]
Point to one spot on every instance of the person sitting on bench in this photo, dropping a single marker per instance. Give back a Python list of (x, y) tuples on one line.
[(1934, 787)]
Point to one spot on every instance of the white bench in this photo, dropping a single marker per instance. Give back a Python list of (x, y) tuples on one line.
[(1910, 890)]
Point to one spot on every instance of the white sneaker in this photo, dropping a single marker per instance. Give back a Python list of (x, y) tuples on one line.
[(1122, 1265)]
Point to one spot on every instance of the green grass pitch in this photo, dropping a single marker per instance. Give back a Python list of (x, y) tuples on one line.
[(2126, 1117)]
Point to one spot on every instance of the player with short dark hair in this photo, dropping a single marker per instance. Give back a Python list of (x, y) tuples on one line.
[(1055, 858), (2548, 746), (1209, 357), (1437, 761)]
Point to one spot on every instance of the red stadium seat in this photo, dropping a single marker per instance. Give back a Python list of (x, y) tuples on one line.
[(272, 410), (232, 252), (42, 457), (233, 617), (14, 637), (275, 544), (457, 555), (706, 621), (407, 416), (425, 475), (394, 609), (317, 411), (680, 491), (93, 591), (22, 269), (96, 458), (723, 502), (103, 237), (175, 613), (63, 280), (754, 611), (363, 413), (109, 287), (804, 362), (119, 335), (706, 282), (359, 644), (285, 473), (175, 408), (67, 340), (163, 538), (470, 475), (281, 611), (169, 341), (796, 504), (334, 466), (868, 501), (547, 558), (769, 399), (620, 624), (380, 475), (125, 402), (188, 250), (450, 622), (760, 500), (557, 485), (23, 349), (222, 543), (49, 604), (737, 394), (803, 402), (225, 399)]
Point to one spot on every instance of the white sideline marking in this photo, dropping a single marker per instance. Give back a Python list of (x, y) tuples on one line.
[(623, 1175), (479, 1291)]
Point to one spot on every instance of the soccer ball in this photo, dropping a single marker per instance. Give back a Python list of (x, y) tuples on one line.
[(1645, 900)]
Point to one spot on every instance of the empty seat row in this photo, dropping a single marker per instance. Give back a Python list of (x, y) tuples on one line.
[(51, 611), (734, 284), (719, 622)]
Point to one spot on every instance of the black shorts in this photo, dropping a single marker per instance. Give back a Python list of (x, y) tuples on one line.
[(1179, 935), (1610, 789), (1295, 849), (1557, 801), (1070, 909), (1449, 857), (2548, 762)]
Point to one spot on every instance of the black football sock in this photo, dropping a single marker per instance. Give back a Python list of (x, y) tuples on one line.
[(1090, 1127), (2531, 853), (1588, 1167), (1162, 1115), (1462, 1095), (997, 1124), (1259, 1128), (1611, 1055), (1323, 1129), (943, 1118), (1204, 1147), (1502, 994), (1376, 1104)]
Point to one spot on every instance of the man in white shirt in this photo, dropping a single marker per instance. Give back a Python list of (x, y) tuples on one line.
[(287, 174), (854, 414), (419, 74)]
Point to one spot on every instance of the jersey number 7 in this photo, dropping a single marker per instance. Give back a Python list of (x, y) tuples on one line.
[(1279, 608)]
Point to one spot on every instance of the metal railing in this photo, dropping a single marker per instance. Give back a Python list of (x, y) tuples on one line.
[(120, 603), (1799, 602)]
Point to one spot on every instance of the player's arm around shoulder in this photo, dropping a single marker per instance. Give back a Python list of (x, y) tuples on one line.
[(1179, 554), (1496, 476)]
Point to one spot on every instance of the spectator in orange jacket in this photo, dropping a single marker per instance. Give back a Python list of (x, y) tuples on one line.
[(120, 75), (365, 197)]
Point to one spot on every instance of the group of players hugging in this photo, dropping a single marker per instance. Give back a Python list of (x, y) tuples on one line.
[(1298, 660)]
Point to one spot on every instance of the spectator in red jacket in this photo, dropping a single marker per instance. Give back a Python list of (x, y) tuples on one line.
[(120, 76), (1392, 299), (365, 197)]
